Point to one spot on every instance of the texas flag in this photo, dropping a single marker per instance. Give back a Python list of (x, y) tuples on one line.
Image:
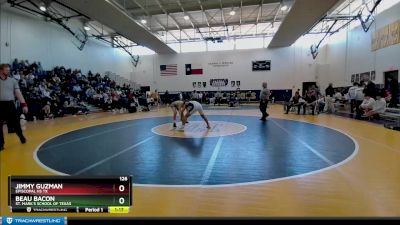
[(193, 69)]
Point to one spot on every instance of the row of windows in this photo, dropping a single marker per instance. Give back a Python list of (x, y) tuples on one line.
[(263, 42), (202, 46)]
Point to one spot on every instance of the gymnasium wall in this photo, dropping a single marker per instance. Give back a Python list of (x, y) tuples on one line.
[(349, 52), (345, 53), (289, 68), (30, 37)]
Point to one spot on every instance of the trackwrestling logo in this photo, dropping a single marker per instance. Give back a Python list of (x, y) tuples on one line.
[(33, 220)]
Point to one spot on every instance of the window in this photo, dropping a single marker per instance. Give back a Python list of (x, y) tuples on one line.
[(249, 43), (176, 47), (140, 50), (225, 45), (267, 40), (199, 46)]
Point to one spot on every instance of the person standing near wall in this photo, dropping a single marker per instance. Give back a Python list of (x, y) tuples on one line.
[(352, 96), (329, 93), (394, 91), (264, 96), (359, 96), (370, 89), (9, 89)]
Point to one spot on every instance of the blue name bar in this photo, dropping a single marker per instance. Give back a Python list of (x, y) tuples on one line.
[(16, 220)]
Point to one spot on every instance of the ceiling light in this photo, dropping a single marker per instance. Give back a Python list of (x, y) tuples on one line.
[(186, 17), (284, 8), (87, 28), (143, 21), (42, 6), (232, 13)]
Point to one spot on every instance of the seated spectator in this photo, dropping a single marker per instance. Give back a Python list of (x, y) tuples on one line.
[(233, 100), (22, 84), (76, 89), (40, 68), (378, 107), (218, 98), (368, 103), (16, 75), (90, 92), (115, 97), (15, 65), (47, 108), (311, 101), (338, 96), (107, 101), (46, 93), (57, 106), (56, 79), (97, 98), (294, 102), (74, 106), (30, 79), (320, 103)]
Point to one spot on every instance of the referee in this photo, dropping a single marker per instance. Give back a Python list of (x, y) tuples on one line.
[(264, 96), (9, 89)]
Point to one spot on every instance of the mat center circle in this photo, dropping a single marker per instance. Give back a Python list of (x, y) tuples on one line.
[(198, 129)]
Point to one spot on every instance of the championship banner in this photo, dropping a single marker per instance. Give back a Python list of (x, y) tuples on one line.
[(386, 36), (263, 65), (218, 82)]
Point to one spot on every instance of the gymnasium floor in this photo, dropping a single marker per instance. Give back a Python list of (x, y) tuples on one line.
[(290, 165)]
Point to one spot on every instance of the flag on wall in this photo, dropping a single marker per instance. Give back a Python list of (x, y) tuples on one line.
[(169, 70), (193, 69)]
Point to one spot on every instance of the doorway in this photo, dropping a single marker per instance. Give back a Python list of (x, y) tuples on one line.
[(307, 86), (394, 74)]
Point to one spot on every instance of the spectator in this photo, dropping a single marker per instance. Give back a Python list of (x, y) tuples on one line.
[(378, 107), (30, 79), (329, 100), (359, 95), (329, 91), (311, 101), (15, 65), (218, 98), (65, 90), (39, 68), (352, 96), (167, 98), (338, 96), (76, 89), (367, 104), (394, 91), (17, 75), (294, 102), (370, 89)]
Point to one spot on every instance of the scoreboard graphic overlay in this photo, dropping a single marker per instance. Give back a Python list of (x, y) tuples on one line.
[(44, 194)]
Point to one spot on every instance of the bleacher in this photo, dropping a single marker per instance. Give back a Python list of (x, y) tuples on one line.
[(392, 118)]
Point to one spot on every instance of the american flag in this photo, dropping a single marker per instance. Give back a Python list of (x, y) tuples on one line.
[(169, 70)]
